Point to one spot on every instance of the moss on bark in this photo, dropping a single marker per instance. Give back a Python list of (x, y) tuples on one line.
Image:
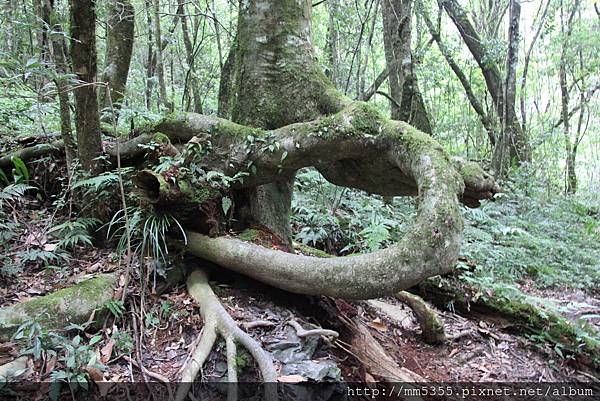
[(53, 311)]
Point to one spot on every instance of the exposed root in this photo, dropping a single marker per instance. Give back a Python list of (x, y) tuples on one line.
[(218, 321), (301, 332), (257, 323), (432, 327), (376, 361)]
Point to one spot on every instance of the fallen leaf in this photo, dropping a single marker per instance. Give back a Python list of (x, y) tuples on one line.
[(453, 352), (291, 379), (50, 247), (95, 374), (106, 351), (378, 325)]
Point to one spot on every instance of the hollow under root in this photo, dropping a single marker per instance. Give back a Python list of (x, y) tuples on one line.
[(218, 321), (432, 327)]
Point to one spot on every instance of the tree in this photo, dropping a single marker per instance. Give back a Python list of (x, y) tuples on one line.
[(119, 48), (511, 145), (406, 101), (83, 59)]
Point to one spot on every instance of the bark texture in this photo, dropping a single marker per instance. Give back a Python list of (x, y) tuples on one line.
[(407, 103), (274, 56), (83, 57), (119, 48)]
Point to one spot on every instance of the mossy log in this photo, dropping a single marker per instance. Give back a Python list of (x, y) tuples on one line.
[(33, 152), (53, 311), (512, 314)]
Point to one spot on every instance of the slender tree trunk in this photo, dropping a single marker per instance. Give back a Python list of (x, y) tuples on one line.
[(57, 53), (510, 146), (514, 144), (570, 148), (396, 27), (407, 102), (119, 48), (160, 68), (486, 121), (83, 57), (150, 62), (226, 84), (526, 65), (332, 43), (189, 51)]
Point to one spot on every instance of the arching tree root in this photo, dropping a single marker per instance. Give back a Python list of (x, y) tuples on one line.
[(218, 321), (432, 327)]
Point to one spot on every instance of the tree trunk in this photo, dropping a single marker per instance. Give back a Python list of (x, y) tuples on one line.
[(191, 81), (407, 104), (57, 53), (160, 68), (119, 48), (275, 59), (83, 57), (150, 62), (570, 148), (486, 121), (510, 146), (332, 43), (514, 143)]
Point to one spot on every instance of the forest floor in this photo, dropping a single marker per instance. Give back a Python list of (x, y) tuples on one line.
[(481, 348)]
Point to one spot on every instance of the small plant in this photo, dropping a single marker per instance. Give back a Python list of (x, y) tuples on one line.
[(166, 309), (116, 307), (75, 232), (74, 355), (123, 342), (152, 321)]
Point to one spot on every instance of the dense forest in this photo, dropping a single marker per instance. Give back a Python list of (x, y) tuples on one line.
[(207, 192)]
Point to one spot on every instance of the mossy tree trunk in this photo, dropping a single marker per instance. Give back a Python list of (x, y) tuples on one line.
[(83, 57), (277, 82), (119, 48), (407, 102)]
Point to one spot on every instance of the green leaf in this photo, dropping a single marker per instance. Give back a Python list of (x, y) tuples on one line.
[(95, 339), (20, 168), (226, 204)]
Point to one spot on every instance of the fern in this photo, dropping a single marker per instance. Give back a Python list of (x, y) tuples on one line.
[(74, 232)]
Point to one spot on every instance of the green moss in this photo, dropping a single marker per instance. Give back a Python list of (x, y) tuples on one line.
[(367, 119), (249, 235), (161, 138), (53, 311), (310, 251)]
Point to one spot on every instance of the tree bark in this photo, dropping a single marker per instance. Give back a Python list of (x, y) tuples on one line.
[(511, 144), (119, 48), (57, 53), (275, 56), (408, 104), (83, 57)]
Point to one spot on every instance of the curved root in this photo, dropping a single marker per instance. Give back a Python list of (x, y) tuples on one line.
[(432, 327), (301, 332), (218, 321)]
